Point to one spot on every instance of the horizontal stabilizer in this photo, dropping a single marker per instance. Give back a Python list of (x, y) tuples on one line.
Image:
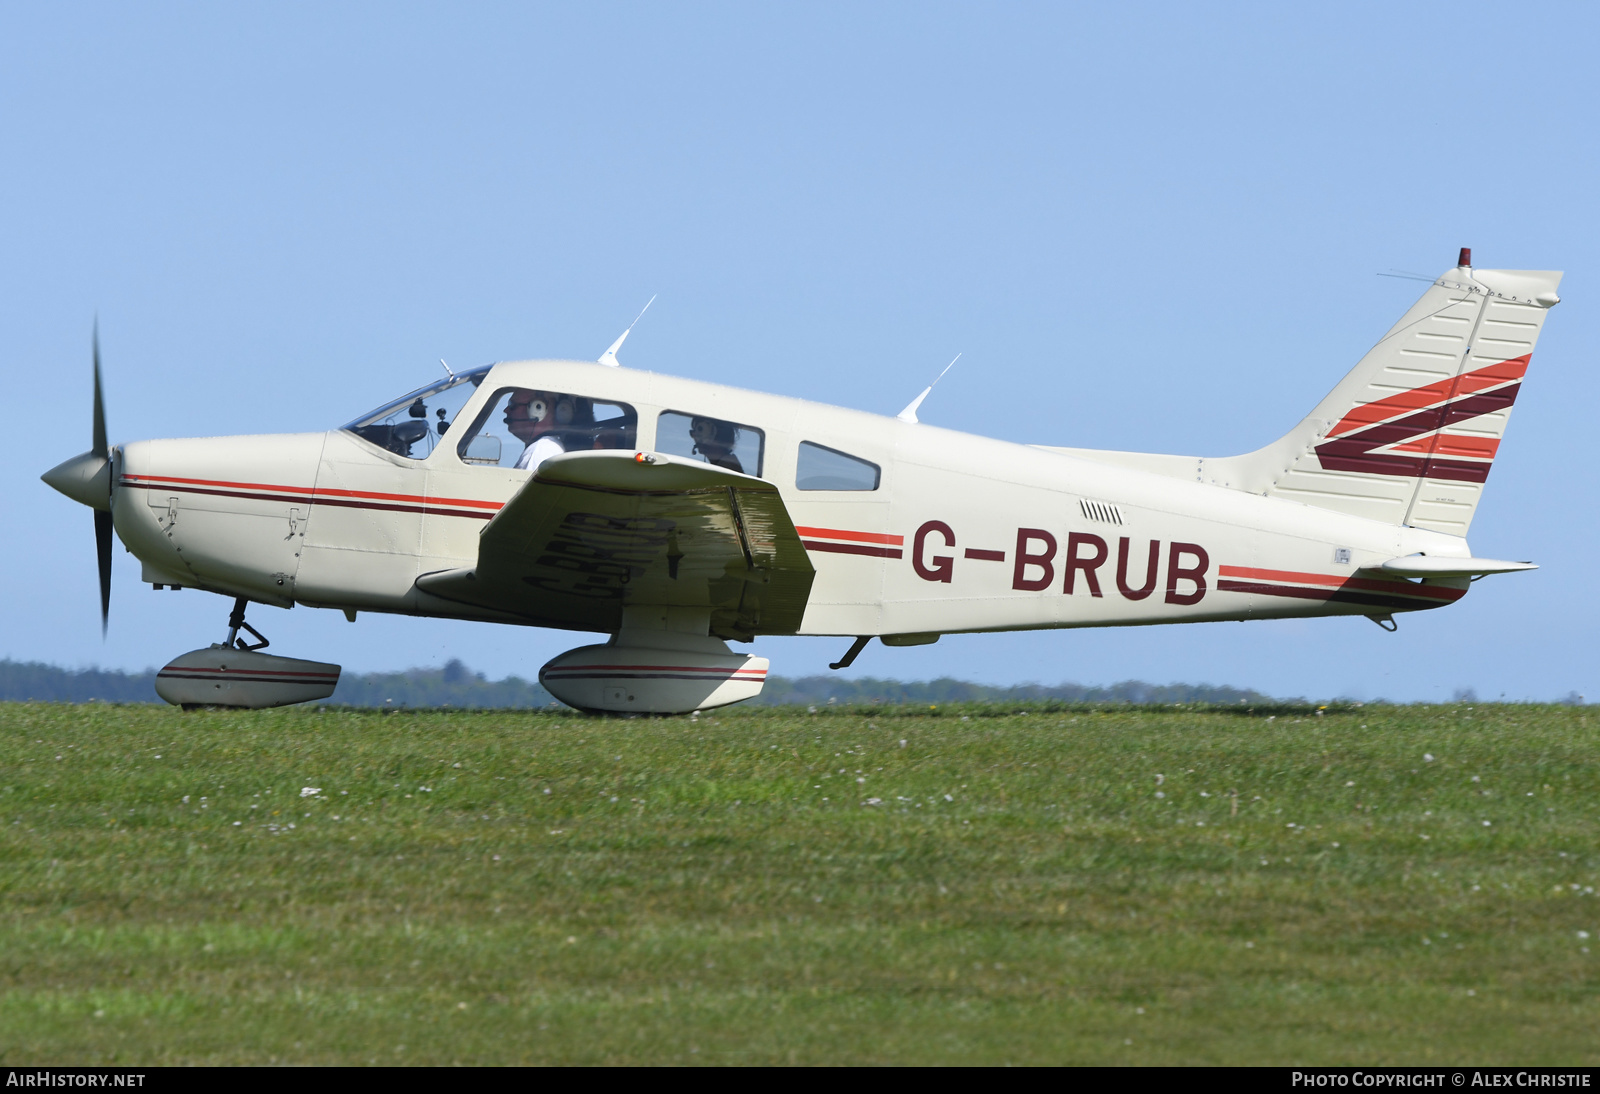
[(1433, 566)]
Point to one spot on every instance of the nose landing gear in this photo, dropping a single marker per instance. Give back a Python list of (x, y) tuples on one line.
[(235, 623), (235, 673)]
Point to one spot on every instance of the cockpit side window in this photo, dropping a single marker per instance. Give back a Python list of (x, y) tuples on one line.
[(823, 468), (712, 440), (522, 427), (414, 425)]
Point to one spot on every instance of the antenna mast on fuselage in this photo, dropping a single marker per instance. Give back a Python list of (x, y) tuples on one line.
[(609, 357), (909, 414)]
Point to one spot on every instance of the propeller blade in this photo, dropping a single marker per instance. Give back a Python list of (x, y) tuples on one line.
[(102, 543), (99, 448), (102, 519)]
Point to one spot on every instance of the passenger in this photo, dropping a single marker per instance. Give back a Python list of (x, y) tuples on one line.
[(530, 418), (714, 440)]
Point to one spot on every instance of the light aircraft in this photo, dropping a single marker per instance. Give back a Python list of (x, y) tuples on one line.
[(676, 516)]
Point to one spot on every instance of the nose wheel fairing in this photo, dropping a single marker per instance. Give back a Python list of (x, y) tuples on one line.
[(221, 676), (235, 673)]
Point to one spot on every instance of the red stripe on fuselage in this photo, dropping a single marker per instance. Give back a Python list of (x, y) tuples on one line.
[(858, 537), (350, 499), (1330, 583), (1336, 596)]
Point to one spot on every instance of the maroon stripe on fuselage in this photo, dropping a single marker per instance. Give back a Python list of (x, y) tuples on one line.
[(1339, 596), (852, 549), (314, 499)]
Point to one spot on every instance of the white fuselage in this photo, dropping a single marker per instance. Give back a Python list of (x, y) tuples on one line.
[(962, 533)]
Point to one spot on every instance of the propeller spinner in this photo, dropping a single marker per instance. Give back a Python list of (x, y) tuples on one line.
[(87, 479)]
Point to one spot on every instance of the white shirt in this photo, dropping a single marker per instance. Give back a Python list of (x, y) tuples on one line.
[(539, 451)]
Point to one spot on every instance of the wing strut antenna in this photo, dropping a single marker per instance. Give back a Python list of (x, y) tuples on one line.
[(909, 414), (609, 357), (855, 650)]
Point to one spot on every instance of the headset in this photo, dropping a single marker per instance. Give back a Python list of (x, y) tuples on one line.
[(710, 431), (565, 409)]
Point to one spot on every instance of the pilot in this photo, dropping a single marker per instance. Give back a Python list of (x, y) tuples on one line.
[(714, 440), (530, 418)]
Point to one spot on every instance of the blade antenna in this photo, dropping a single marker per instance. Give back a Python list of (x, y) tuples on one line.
[(909, 414), (609, 357)]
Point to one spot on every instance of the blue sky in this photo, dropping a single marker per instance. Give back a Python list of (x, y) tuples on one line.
[(1152, 227)]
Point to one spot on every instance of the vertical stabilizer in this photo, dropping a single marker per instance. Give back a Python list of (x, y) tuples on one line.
[(1408, 437)]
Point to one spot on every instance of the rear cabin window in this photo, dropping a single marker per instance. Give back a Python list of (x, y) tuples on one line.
[(712, 440), (823, 468)]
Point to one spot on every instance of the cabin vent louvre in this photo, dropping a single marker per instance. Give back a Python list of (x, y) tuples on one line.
[(1104, 512)]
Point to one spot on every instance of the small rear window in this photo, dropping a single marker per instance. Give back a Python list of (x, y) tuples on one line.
[(823, 468)]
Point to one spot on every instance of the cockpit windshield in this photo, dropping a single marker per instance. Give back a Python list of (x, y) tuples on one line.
[(413, 425)]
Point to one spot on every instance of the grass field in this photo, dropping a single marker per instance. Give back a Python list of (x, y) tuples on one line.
[(961, 885)]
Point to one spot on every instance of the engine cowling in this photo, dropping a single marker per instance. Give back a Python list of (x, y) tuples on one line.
[(641, 679)]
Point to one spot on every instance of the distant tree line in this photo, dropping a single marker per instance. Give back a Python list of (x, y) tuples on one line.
[(813, 690), (21, 680), (455, 685)]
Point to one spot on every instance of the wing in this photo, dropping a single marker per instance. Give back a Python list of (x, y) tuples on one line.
[(593, 532)]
